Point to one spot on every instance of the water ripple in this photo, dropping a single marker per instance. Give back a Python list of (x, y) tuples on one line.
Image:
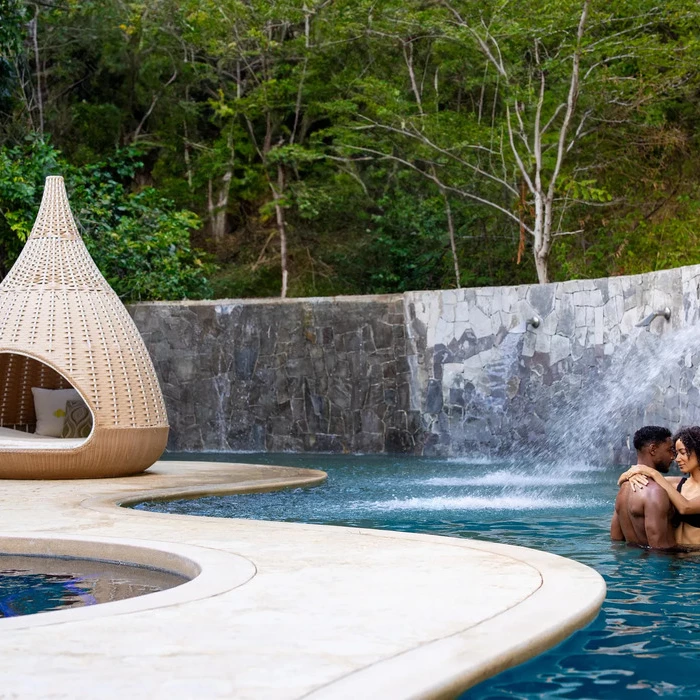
[(644, 645)]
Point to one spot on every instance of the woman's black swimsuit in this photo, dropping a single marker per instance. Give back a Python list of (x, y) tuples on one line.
[(692, 520)]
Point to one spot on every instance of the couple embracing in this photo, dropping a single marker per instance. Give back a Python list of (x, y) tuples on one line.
[(657, 511)]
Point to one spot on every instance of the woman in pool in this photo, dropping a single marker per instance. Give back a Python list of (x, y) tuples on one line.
[(684, 494)]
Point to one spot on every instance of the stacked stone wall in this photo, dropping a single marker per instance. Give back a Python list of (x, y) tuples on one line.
[(309, 375), (451, 372)]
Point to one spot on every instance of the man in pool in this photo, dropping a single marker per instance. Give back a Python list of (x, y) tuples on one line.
[(643, 516)]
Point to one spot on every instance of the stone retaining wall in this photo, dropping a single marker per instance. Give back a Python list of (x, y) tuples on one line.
[(455, 372)]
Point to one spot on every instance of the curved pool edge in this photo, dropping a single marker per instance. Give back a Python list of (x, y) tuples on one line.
[(338, 596), (298, 478), (209, 572), (447, 667)]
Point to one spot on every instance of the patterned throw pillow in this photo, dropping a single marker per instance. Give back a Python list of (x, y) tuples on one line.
[(50, 409), (78, 420)]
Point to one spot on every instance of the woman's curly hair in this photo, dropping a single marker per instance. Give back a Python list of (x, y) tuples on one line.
[(690, 437)]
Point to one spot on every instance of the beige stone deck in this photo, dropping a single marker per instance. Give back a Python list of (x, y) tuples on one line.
[(279, 610)]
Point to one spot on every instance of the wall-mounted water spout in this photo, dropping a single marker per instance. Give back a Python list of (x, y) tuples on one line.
[(534, 322), (665, 312)]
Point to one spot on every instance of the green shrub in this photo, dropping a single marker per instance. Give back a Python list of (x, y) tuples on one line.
[(139, 240)]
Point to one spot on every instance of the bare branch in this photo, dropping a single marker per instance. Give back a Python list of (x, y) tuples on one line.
[(605, 61), (579, 133), (518, 160), (588, 203), (537, 145), (521, 132), (408, 58), (307, 43), (503, 157), (349, 171), (482, 93), (622, 32), (437, 181), (154, 101), (451, 232), (33, 28), (497, 62), (426, 66), (417, 135), (552, 118), (497, 47), (570, 102)]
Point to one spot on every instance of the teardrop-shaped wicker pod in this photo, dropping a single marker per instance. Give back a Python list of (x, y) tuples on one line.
[(62, 325)]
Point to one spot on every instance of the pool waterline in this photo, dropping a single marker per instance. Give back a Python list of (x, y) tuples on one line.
[(32, 583), (642, 645)]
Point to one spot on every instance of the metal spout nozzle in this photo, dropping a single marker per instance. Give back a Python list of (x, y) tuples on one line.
[(665, 312)]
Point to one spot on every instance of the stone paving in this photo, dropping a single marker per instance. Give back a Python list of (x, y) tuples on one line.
[(278, 610)]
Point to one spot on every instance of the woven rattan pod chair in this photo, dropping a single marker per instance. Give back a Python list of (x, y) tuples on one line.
[(62, 326)]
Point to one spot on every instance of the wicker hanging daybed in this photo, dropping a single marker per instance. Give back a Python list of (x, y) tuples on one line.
[(62, 326)]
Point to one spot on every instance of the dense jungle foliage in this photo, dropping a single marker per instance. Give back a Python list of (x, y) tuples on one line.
[(316, 147)]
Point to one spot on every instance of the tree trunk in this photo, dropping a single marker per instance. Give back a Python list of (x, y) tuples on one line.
[(34, 31), (451, 230), (541, 245), (542, 253), (218, 209), (542, 266), (188, 163), (277, 194)]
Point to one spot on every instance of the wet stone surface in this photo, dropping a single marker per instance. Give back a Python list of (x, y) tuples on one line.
[(436, 373)]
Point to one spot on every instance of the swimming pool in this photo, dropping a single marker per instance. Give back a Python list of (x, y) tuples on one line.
[(37, 584), (644, 644)]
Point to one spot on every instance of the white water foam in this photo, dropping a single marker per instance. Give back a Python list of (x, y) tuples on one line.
[(479, 461), (534, 465), (507, 478), (645, 372), (467, 503)]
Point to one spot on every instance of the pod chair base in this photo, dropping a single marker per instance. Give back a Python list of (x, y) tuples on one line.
[(109, 453)]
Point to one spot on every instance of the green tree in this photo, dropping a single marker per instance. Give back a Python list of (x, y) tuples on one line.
[(518, 134), (12, 16), (139, 240), (360, 146)]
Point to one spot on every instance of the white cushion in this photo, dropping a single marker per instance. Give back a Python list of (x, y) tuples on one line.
[(18, 440), (50, 409)]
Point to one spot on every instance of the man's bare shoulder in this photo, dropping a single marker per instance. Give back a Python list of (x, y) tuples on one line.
[(629, 493), (641, 500), (653, 491), (641, 491), (652, 495), (623, 494)]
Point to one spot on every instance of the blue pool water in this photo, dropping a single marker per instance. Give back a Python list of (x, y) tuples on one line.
[(37, 584), (644, 644)]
